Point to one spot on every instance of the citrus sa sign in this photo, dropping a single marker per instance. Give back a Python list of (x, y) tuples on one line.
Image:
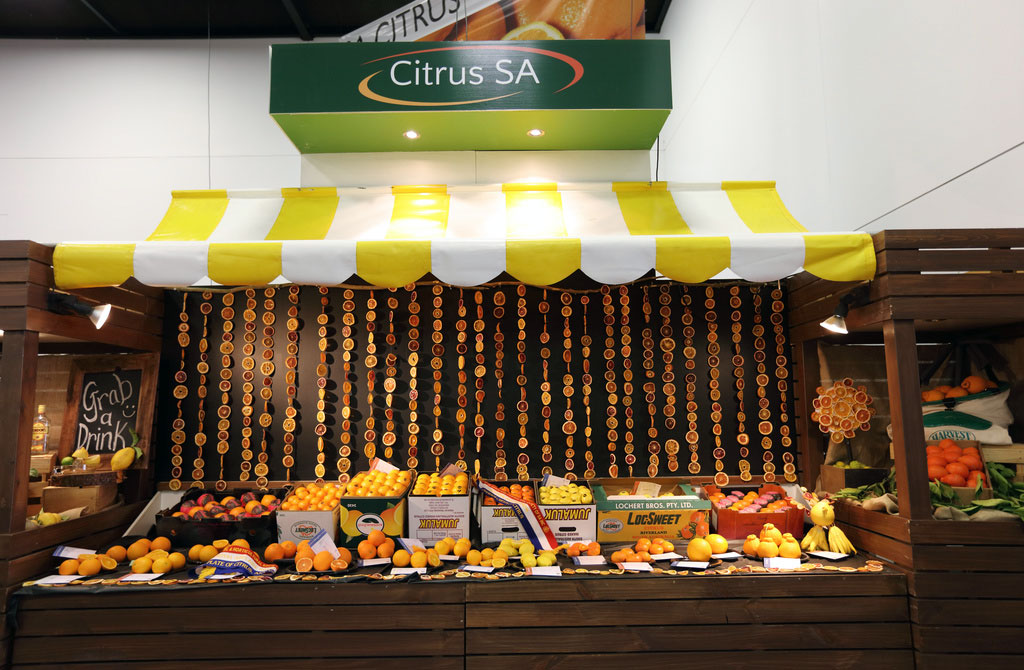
[(444, 77), (323, 95)]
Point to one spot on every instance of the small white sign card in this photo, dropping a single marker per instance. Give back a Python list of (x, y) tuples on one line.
[(589, 560), (542, 571), (145, 577), (64, 551), (828, 555), (411, 544), (322, 542), (370, 562), (782, 563), (59, 579), (636, 566), (667, 556), (691, 565), (727, 556), (408, 571), (475, 568)]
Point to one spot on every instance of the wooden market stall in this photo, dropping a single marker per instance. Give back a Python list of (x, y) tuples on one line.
[(29, 328), (965, 579)]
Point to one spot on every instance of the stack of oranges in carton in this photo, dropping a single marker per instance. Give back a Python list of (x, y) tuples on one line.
[(524, 493), (374, 500)]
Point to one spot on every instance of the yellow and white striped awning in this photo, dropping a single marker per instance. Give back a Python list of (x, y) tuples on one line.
[(468, 235)]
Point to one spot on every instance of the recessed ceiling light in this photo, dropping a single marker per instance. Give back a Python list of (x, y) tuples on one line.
[(536, 132), (411, 134)]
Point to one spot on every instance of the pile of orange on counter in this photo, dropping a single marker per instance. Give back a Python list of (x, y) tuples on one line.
[(312, 497), (517, 491), (643, 551)]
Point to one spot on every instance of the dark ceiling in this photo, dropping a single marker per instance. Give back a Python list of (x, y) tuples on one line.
[(160, 19)]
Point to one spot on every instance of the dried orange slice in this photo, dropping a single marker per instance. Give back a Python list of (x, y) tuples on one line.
[(845, 424), (842, 409), (825, 420), (304, 564), (863, 415), (816, 403), (826, 402), (837, 437), (840, 392)]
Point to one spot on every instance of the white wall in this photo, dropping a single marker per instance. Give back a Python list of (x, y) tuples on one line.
[(95, 134), (854, 108)]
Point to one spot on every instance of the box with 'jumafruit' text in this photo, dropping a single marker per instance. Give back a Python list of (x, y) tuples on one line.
[(629, 509)]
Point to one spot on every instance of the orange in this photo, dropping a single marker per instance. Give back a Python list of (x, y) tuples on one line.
[(461, 547), (971, 461), (582, 19), (177, 560), (136, 550), (273, 552), (207, 553), (958, 468), (401, 558), (376, 538), (936, 471), (618, 556), (345, 554), (767, 549), (668, 546), (958, 392), (719, 545), (932, 396), (68, 567), (322, 561), (973, 384), (593, 549), (193, 553), (117, 552), (244, 544), (160, 543), (107, 563), (367, 549), (435, 560), (220, 544), (643, 556), (146, 543), (386, 549), (289, 548), (473, 557), (944, 444), (304, 564), (954, 480), (698, 549), (339, 564), (141, 565), (304, 552), (161, 565), (750, 545), (418, 560), (495, 562)]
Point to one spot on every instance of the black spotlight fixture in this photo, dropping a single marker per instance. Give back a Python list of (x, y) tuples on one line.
[(63, 303), (837, 322)]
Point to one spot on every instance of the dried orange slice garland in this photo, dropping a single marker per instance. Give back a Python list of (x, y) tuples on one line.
[(842, 409)]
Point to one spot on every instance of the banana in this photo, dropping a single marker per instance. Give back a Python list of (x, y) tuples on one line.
[(839, 543)]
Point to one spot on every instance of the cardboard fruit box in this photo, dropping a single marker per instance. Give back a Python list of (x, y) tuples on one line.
[(433, 517), (498, 522), (570, 522), (631, 508), (299, 525), (967, 493), (186, 528), (833, 478), (359, 515), (735, 525)]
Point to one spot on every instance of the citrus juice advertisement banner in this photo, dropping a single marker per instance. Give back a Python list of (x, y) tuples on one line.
[(492, 20)]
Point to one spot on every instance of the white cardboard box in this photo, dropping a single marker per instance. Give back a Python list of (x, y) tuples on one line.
[(497, 522), (297, 525), (433, 518)]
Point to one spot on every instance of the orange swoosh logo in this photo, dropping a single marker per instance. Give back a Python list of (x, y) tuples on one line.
[(364, 88)]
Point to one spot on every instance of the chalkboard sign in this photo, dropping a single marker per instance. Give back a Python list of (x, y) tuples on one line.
[(107, 409), (109, 398)]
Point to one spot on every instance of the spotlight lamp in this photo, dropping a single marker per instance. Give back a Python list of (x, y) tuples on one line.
[(837, 322), (63, 303)]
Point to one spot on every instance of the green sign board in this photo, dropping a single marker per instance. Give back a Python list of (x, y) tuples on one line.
[(573, 94)]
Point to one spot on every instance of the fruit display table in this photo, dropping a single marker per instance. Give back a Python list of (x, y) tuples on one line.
[(816, 620)]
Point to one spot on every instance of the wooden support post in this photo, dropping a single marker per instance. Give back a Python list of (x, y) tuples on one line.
[(17, 408), (907, 424), (808, 372)]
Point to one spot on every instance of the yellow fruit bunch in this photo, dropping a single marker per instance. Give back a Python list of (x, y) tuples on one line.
[(313, 497), (201, 553), (770, 543), (379, 484), (841, 410), (567, 494), (436, 485)]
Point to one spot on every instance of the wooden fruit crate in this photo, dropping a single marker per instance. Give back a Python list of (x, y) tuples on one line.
[(1013, 453)]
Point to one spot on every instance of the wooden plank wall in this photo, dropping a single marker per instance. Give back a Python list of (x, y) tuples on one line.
[(778, 621), (295, 626), (783, 621)]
